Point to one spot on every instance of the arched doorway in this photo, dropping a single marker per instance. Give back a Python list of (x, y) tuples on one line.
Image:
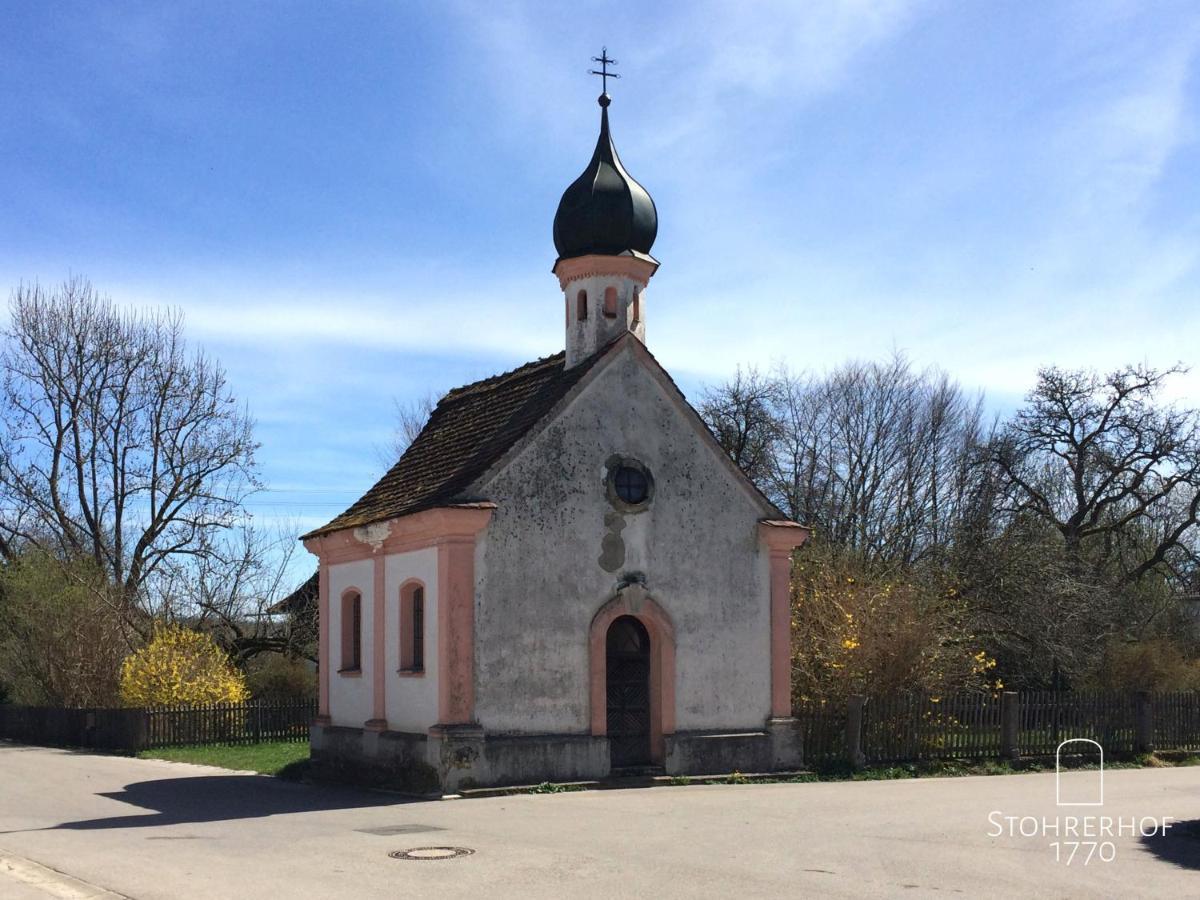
[(627, 683)]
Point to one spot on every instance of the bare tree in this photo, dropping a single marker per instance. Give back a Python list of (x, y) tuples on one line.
[(741, 415), (118, 444), (230, 591), (411, 416), (1113, 471), (874, 455)]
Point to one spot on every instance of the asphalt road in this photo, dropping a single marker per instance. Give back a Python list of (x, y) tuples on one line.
[(78, 825)]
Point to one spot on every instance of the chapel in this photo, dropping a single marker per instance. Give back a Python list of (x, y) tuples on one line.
[(564, 577)]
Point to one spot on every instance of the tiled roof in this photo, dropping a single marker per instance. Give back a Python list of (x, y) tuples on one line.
[(303, 599), (470, 429)]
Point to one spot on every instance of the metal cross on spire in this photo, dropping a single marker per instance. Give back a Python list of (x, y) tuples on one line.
[(604, 74)]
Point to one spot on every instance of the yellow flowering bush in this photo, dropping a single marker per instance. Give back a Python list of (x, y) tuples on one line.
[(180, 667), (869, 628)]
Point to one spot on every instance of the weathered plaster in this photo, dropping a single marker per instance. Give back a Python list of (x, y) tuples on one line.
[(543, 569), (627, 275)]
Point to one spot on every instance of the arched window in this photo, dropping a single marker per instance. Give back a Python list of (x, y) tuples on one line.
[(351, 632), (581, 306), (610, 303), (637, 305), (412, 628)]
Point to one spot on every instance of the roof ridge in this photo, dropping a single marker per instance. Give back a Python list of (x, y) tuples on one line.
[(493, 380)]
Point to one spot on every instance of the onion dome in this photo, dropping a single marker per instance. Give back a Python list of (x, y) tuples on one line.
[(604, 211)]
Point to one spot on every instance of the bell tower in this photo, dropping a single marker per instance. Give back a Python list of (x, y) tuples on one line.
[(603, 231)]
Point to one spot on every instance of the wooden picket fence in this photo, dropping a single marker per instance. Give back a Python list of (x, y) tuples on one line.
[(228, 723), (146, 728), (918, 726), (914, 727)]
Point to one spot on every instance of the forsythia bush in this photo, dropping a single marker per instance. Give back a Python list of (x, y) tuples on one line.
[(180, 667), (859, 628)]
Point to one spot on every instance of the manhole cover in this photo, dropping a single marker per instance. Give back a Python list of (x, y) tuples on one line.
[(431, 853)]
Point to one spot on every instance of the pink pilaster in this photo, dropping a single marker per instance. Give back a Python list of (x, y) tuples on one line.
[(781, 539), (378, 721), (452, 529), (456, 630), (323, 653)]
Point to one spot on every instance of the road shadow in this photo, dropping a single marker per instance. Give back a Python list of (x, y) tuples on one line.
[(221, 798), (1180, 845)]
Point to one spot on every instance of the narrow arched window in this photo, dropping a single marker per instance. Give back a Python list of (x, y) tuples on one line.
[(412, 628), (610, 303), (581, 305), (637, 305), (351, 632)]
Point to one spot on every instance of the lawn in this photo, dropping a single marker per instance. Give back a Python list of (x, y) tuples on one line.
[(270, 757)]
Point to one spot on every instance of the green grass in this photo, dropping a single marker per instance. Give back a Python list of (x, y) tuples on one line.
[(282, 758)]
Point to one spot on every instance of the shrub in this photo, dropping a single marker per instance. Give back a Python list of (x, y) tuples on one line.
[(865, 628), (180, 667), (61, 643), (1154, 664), (273, 676)]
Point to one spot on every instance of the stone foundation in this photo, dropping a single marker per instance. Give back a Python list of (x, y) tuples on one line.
[(465, 756), (774, 749)]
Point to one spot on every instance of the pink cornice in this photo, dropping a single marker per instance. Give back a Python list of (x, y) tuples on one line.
[(637, 268), (413, 532), (783, 536)]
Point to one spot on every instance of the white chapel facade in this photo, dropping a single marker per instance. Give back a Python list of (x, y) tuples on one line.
[(564, 576)]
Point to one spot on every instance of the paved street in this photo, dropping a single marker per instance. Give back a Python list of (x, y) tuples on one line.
[(101, 826)]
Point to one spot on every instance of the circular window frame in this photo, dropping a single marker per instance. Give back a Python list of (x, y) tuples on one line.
[(613, 466)]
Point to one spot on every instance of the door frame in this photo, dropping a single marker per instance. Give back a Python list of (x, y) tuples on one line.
[(636, 602)]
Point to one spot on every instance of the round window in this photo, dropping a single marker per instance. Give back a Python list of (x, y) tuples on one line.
[(630, 484)]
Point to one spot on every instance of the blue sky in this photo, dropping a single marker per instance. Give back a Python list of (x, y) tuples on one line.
[(352, 202)]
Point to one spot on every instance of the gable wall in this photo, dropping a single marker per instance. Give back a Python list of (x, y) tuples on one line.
[(540, 579)]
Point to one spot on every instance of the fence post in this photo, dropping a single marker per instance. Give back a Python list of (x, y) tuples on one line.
[(854, 722), (258, 721), (1143, 718), (1010, 724)]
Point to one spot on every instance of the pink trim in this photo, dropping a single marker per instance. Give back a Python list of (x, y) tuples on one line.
[(346, 612), (662, 665), (456, 630), (405, 630), (610, 302), (631, 267), (413, 532), (324, 664), (452, 529), (781, 539), (350, 673), (379, 661)]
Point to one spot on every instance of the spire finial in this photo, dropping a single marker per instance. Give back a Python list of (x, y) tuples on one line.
[(604, 74)]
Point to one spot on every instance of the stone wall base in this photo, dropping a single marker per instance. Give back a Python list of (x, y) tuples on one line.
[(465, 756)]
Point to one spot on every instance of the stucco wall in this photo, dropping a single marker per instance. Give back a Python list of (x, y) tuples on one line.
[(411, 701), (350, 696), (540, 579)]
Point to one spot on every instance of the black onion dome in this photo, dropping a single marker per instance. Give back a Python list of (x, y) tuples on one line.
[(604, 210)]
